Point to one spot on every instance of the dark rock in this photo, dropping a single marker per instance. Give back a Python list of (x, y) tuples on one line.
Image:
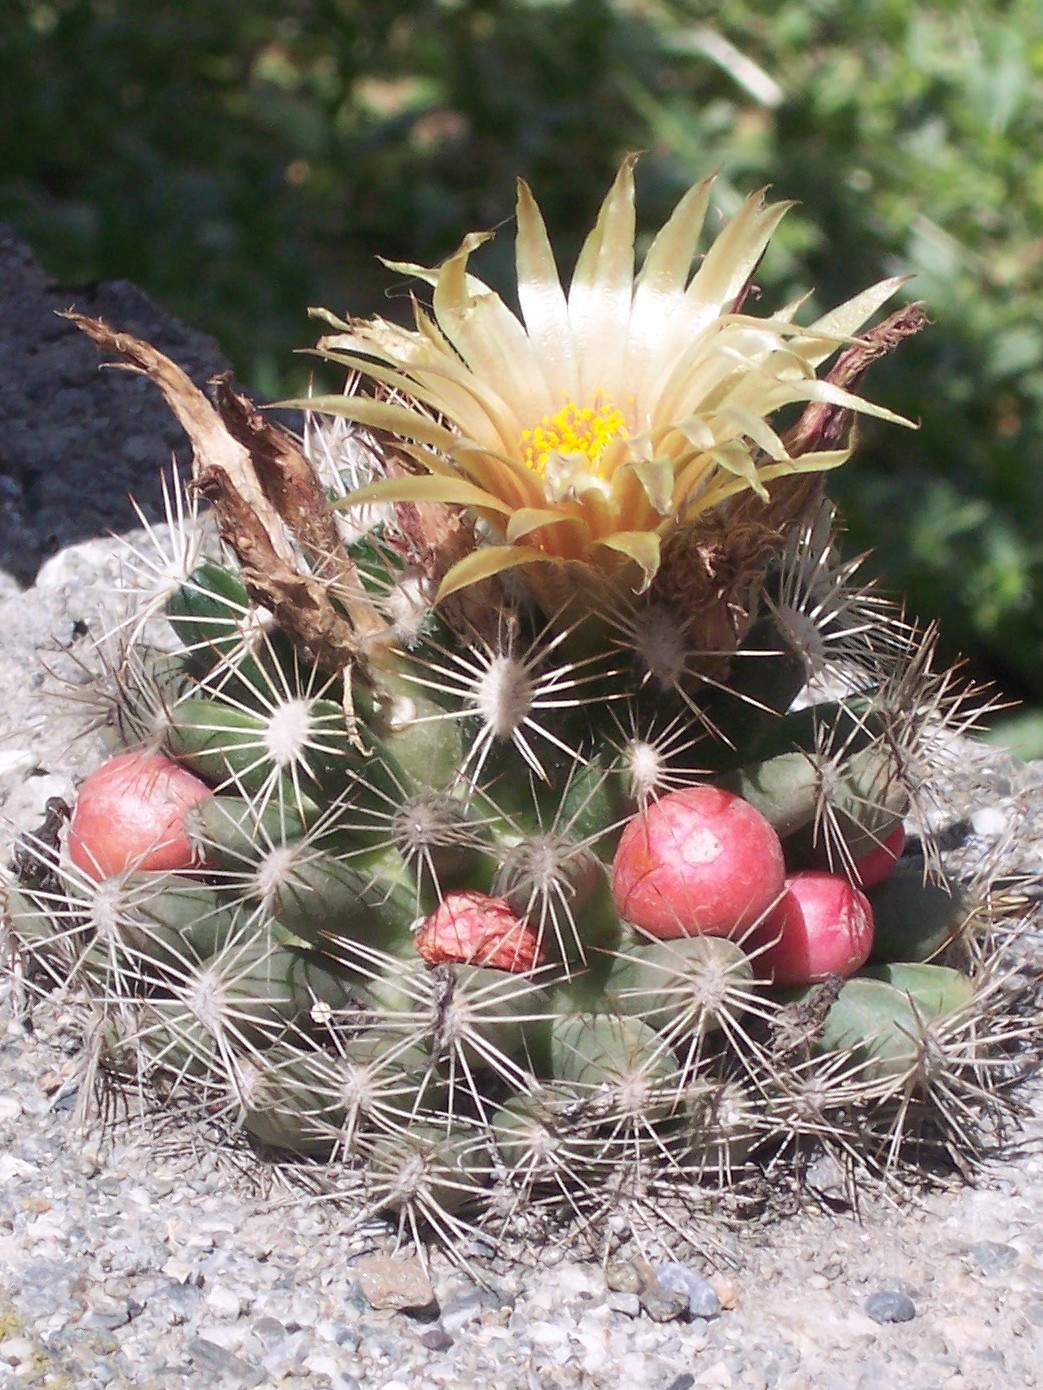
[(76, 440), (890, 1305), (436, 1339)]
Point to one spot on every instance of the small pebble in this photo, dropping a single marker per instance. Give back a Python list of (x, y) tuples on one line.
[(15, 1350), (626, 1303), (436, 1339), (991, 1257), (401, 1285), (622, 1276), (826, 1177), (990, 822), (269, 1329), (224, 1302), (10, 1108), (727, 1293), (664, 1305), (211, 1359), (890, 1305), (458, 1312), (701, 1294)]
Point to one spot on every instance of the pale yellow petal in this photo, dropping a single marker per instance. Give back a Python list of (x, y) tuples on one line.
[(430, 274), (826, 392), (316, 311), (501, 473), (841, 323), (454, 491), (663, 277), (753, 426), (378, 415), (735, 253), (490, 339), (482, 564), (656, 476), (725, 487), (542, 299), (529, 519), (448, 389), (601, 290), (640, 546)]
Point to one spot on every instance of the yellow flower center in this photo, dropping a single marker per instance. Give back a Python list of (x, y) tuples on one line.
[(573, 430)]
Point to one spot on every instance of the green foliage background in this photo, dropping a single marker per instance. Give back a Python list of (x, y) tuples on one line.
[(243, 161)]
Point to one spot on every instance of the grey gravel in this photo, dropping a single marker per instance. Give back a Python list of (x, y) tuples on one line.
[(139, 1263)]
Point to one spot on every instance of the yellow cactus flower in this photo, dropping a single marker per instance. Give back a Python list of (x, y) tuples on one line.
[(606, 416)]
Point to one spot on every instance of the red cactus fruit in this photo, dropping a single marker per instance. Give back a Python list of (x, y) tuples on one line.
[(699, 861), (130, 814), (821, 926), (875, 866), (473, 929)]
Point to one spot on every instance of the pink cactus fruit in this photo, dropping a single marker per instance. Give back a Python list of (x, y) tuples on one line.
[(875, 866), (699, 861), (822, 925), (130, 814)]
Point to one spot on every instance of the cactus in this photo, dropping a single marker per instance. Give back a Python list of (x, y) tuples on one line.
[(516, 690)]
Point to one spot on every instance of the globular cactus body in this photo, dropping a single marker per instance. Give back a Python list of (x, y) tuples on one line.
[(501, 791)]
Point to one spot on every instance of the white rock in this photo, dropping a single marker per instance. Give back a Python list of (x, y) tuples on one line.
[(15, 1350), (11, 1167), (322, 1364), (14, 764), (990, 822), (224, 1302)]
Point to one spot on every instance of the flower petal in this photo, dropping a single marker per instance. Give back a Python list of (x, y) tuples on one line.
[(656, 476), (484, 564), (735, 253), (379, 415), (528, 519), (640, 546), (847, 318), (489, 337), (662, 279), (455, 491), (542, 300), (602, 288)]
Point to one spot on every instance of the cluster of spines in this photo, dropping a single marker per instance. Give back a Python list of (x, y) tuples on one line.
[(280, 989)]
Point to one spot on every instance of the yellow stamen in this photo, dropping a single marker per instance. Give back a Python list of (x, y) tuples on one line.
[(574, 430)]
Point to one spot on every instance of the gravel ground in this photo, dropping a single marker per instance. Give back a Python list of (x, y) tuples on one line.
[(127, 1264)]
